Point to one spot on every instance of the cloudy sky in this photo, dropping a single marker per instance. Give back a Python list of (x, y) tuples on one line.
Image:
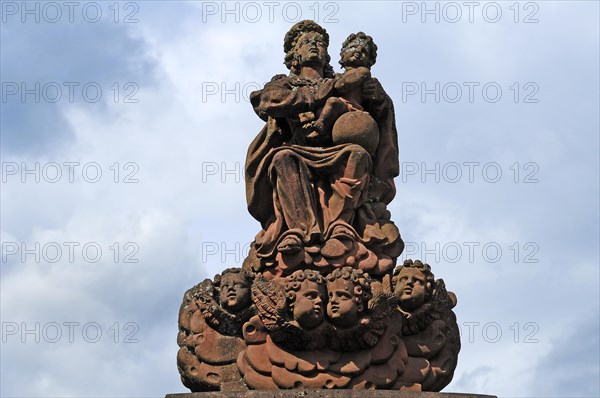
[(125, 127)]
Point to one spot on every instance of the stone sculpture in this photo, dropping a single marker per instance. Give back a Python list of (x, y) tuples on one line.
[(210, 330), (429, 326), (321, 205), (317, 303)]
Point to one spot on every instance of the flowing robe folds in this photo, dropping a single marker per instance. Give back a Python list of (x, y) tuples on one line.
[(308, 189)]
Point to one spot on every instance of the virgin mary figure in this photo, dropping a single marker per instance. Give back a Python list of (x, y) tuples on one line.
[(321, 204)]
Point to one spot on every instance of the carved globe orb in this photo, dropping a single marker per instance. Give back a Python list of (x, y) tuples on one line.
[(359, 128)]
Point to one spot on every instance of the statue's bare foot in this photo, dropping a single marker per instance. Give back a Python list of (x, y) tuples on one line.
[(290, 244)]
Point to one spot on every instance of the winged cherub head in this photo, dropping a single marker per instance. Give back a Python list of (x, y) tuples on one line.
[(349, 292), (413, 284), (305, 295), (234, 289)]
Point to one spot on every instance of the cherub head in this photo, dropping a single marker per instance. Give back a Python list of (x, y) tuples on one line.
[(413, 284), (358, 50), (306, 42), (233, 286), (305, 294), (349, 292)]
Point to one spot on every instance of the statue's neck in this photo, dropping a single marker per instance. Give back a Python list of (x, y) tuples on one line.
[(311, 72)]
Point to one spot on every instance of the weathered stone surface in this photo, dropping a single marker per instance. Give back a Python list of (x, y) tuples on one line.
[(321, 198), (317, 303), (327, 394), (210, 330)]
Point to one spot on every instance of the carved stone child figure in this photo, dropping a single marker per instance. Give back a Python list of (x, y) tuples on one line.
[(232, 287), (429, 326), (413, 285), (210, 329), (358, 317), (234, 290), (292, 309), (305, 294), (358, 55), (349, 291)]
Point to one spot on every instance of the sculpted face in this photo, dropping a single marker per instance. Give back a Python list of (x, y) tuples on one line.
[(311, 48), (308, 306), (235, 292), (356, 54), (411, 289), (342, 308)]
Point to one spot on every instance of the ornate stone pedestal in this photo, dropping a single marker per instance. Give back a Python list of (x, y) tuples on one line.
[(326, 394)]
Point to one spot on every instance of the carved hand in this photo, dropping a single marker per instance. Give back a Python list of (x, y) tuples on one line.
[(372, 91)]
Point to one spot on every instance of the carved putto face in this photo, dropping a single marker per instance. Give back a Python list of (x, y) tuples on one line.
[(411, 289), (355, 54), (309, 308), (234, 293), (343, 306), (311, 48)]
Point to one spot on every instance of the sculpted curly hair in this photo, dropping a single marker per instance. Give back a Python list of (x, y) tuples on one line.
[(293, 282), (425, 270), (361, 281), (249, 277), (291, 39), (358, 39)]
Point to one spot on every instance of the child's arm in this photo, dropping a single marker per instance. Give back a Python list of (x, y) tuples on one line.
[(352, 79)]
